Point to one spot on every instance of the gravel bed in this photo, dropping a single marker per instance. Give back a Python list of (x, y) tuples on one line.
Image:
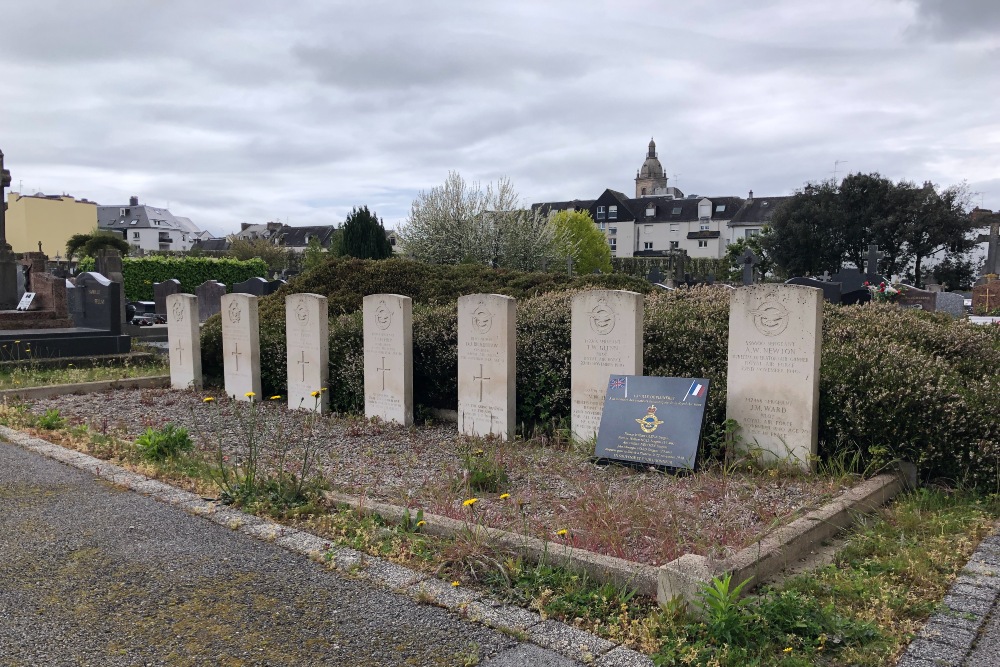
[(642, 515)]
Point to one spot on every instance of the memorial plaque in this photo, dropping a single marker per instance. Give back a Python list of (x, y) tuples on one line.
[(486, 365), (913, 297), (606, 339), (775, 338), (307, 332), (388, 349), (241, 346), (652, 420), (184, 341), (26, 299)]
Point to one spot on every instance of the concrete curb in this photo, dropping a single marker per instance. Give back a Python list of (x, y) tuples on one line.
[(151, 382), (570, 642), (685, 576), (949, 635)]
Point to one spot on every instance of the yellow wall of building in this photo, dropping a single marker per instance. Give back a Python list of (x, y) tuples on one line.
[(52, 221)]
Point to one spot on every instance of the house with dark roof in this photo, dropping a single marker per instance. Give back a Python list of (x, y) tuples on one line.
[(660, 218), (299, 238), (147, 227)]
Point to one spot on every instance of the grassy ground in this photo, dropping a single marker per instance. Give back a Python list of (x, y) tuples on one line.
[(28, 374), (861, 610)]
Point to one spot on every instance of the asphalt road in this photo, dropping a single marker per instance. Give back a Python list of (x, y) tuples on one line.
[(94, 575)]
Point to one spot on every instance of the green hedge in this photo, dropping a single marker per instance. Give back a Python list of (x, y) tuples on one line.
[(139, 273), (894, 383)]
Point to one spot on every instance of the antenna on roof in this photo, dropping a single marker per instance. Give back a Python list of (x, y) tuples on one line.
[(836, 165)]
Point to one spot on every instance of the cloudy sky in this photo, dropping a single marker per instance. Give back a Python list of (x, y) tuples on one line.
[(230, 111)]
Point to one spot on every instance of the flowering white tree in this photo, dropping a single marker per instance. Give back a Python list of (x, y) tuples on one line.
[(459, 222)]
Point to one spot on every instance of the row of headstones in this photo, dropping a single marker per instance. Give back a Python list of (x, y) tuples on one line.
[(773, 375), (848, 288), (210, 293)]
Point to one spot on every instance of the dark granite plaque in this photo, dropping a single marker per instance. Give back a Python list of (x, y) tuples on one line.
[(831, 290), (912, 297), (652, 420)]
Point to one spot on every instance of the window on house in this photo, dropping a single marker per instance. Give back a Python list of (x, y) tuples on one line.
[(721, 208), (613, 243), (676, 210), (135, 236), (600, 226), (648, 228), (703, 226), (750, 233), (612, 213), (647, 245), (674, 227), (612, 230), (650, 211), (702, 244), (600, 213), (674, 245), (134, 222)]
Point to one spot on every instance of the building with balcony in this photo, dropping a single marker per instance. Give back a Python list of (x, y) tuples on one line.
[(148, 228)]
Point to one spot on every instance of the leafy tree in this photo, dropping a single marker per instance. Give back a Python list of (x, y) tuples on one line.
[(87, 245), (956, 271), (576, 236), (807, 235), (363, 236), (275, 256), (457, 222), (756, 243), (867, 205), (314, 255), (933, 222)]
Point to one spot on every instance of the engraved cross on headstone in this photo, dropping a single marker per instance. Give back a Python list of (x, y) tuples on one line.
[(180, 352), (302, 364), (988, 294), (871, 266), (749, 261), (236, 353), (382, 370), (480, 377)]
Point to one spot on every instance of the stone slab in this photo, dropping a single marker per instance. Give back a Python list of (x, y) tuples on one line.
[(487, 365), (161, 291), (184, 341), (606, 335), (241, 346), (307, 335), (775, 340), (209, 295), (388, 350)]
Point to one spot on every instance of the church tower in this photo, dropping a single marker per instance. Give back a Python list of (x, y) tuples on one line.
[(650, 179)]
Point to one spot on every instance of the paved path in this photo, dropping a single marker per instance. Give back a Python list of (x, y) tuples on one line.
[(91, 574)]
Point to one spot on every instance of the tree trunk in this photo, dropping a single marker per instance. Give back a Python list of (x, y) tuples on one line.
[(916, 271)]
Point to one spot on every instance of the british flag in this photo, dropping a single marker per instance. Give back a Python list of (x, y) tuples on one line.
[(617, 383)]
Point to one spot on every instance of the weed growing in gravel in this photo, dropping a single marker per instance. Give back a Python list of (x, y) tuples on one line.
[(483, 470), (51, 420), (163, 443)]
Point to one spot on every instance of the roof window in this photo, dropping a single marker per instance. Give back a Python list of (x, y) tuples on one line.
[(720, 208), (676, 211)]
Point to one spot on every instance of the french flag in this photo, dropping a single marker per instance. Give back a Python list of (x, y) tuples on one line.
[(696, 389)]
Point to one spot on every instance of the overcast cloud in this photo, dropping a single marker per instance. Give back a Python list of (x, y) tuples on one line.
[(250, 111)]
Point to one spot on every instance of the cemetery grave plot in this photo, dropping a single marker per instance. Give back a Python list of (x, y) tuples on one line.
[(638, 514)]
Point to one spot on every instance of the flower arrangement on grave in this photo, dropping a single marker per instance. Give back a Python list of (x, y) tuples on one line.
[(884, 292)]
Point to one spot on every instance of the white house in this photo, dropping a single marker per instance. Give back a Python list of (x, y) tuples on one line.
[(147, 227)]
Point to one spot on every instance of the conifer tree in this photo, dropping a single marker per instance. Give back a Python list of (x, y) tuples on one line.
[(363, 236)]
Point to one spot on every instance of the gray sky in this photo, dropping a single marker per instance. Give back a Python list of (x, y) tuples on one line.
[(252, 111)]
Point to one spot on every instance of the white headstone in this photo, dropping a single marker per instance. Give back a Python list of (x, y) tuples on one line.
[(388, 333), (307, 331), (184, 341), (241, 346), (606, 339), (775, 341), (486, 365)]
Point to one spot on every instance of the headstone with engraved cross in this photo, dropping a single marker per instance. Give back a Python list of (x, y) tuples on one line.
[(749, 261), (307, 332), (388, 350), (184, 341), (241, 346), (986, 298), (486, 365)]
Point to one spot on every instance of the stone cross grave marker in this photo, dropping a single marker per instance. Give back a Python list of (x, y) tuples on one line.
[(241, 346), (749, 261), (388, 349), (307, 332), (162, 290), (8, 263), (486, 365), (209, 295), (606, 339), (826, 277), (184, 341), (871, 266), (775, 337), (992, 263)]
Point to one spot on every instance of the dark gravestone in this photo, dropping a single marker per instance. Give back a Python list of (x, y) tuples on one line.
[(257, 286), (101, 305), (851, 280), (109, 264), (986, 298), (19, 278), (912, 297), (145, 307), (209, 295), (162, 290), (749, 261), (952, 303), (652, 420), (74, 303), (855, 297), (655, 276), (831, 290)]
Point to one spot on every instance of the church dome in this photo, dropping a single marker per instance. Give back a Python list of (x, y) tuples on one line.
[(651, 168)]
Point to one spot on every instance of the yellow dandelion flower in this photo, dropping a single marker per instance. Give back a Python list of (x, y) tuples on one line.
[(314, 394), (504, 496), (456, 583), (322, 390), (16, 341), (470, 502), (562, 532), (249, 394), (421, 523), (788, 649), (276, 398), (207, 399)]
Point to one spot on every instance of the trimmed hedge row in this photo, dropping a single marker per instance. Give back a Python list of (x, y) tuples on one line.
[(139, 273), (894, 383)]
